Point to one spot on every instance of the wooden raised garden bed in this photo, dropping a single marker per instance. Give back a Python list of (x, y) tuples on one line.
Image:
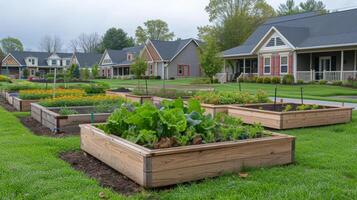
[(214, 109), (10, 97), (138, 98), (275, 117), (162, 167), (120, 94), (22, 105), (50, 118)]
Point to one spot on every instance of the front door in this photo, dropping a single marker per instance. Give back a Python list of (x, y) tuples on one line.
[(324, 65)]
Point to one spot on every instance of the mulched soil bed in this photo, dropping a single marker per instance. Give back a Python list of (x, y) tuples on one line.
[(120, 90), (7, 106), (40, 130), (106, 176)]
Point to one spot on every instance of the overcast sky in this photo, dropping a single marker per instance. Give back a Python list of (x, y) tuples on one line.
[(29, 20)]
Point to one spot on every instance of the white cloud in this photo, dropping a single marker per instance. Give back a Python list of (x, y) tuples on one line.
[(30, 20)]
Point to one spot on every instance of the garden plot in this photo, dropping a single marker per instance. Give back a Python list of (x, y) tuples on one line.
[(70, 111), (176, 143), (289, 115)]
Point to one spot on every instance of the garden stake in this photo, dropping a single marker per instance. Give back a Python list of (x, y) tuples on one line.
[(240, 88), (92, 118), (302, 96), (276, 88), (146, 87)]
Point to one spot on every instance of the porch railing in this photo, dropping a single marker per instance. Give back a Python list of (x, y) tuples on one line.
[(332, 75), (306, 76)]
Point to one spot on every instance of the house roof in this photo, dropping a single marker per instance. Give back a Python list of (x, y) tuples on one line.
[(306, 30), (169, 49), (119, 56), (88, 59), (41, 56)]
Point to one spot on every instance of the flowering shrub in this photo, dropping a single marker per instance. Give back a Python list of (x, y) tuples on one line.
[(222, 98), (4, 79), (81, 100), (43, 94)]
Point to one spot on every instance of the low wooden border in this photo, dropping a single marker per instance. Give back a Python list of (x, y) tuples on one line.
[(214, 109), (156, 168), (23, 105), (292, 119), (9, 97), (120, 94), (56, 122), (138, 98)]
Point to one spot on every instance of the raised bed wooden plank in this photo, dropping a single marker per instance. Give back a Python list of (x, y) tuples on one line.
[(162, 167), (23, 105)]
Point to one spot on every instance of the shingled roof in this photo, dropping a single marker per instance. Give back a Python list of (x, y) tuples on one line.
[(306, 30), (119, 56), (41, 56), (169, 49), (88, 59)]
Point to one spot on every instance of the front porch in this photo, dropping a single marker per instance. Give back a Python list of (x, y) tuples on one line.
[(329, 65)]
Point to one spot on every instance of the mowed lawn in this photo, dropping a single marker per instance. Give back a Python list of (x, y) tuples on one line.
[(326, 168), (310, 91)]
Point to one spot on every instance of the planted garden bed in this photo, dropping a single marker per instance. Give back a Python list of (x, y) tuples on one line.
[(175, 143), (288, 115), (121, 92), (26, 97), (69, 111), (219, 102)]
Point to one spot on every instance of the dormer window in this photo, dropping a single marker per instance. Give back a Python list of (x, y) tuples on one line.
[(53, 62), (275, 41), (129, 57)]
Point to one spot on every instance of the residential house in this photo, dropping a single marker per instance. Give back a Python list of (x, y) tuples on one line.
[(310, 46), (172, 59), (37, 63), (85, 60), (116, 63)]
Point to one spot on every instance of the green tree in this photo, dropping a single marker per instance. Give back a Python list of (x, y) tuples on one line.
[(234, 21), (85, 74), (139, 67), (10, 44), (116, 39), (312, 5), (154, 30), (288, 8), (74, 72), (95, 71), (25, 73), (210, 59)]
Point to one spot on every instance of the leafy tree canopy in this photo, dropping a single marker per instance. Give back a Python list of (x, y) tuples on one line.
[(10, 44), (139, 67), (155, 30), (117, 39), (290, 7)]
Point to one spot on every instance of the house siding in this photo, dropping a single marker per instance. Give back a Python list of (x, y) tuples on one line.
[(189, 56)]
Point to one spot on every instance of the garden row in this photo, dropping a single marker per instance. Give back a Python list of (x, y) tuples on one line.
[(168, 137)]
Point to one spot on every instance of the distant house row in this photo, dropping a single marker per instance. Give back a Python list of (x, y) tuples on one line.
[(165, 59)]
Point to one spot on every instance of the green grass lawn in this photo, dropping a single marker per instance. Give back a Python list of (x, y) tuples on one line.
[(326, 168), (311, 91)]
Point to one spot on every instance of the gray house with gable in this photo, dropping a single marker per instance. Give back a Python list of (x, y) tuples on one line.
[(310, 46)]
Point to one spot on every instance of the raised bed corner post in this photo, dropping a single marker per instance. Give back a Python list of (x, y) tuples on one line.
[(302, 95), (240, 88), (146, 87), (92, 118)]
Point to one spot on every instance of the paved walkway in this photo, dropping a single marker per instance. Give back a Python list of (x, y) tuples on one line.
[(308, 101)]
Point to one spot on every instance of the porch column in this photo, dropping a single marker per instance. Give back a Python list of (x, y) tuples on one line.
[(295, 65), (311, 71), (355, 65), (342, 58), (244, 66)]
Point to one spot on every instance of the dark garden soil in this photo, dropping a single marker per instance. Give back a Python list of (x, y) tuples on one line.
[(39, 129), (7, 106), (120, 90), (105, 175)]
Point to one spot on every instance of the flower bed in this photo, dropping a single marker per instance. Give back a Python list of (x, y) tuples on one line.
[(26, 97), (288, 115), (176, 143), (79, 100), (218, 102)]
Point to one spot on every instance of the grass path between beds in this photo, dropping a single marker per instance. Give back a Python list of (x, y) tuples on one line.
[(326, 168)]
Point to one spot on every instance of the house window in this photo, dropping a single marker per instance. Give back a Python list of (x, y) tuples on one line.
[(53, 62), (183, 70), (129, 57), (151, 69), (271, 42), (275, 41), (284, 64), (67, 62), (267, 65)]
